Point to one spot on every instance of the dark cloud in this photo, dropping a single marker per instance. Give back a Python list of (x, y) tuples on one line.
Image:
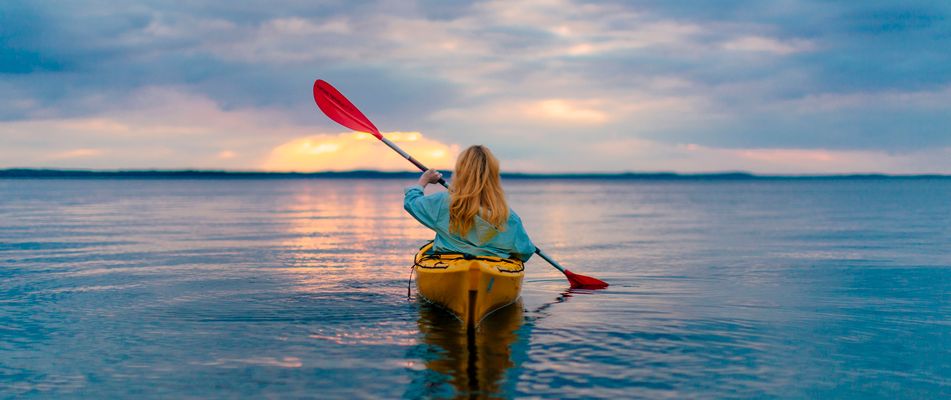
[(861, 46), (99, 50), (22, 47)]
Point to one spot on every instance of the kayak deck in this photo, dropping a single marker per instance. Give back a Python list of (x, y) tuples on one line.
[(469, 287)]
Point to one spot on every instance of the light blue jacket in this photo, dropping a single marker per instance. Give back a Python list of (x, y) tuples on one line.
[(482, 240)]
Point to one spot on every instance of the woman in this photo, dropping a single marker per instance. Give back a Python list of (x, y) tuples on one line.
[(473, 217)]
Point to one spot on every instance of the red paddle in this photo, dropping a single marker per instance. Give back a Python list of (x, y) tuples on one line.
[(342, 111)]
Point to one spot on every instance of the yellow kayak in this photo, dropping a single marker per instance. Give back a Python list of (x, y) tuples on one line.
[(469, 287)]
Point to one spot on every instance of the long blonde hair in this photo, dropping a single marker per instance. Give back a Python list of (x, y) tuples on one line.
[(476, 190)]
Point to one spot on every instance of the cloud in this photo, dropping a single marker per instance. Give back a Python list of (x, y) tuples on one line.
[(561, 110), (358, 151), (75, 153), (180, 84), (768, 45), (541, 112), (149, 128), (646, 155)]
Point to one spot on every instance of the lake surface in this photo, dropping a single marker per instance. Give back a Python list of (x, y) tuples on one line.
[(835, 288)]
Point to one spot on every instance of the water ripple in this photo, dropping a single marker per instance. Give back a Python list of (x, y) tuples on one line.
[(297, 288)]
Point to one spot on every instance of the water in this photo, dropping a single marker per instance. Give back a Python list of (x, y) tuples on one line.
[(297, 288)]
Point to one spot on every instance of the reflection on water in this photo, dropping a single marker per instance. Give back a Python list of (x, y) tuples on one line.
[(467, 363), (334, 236)]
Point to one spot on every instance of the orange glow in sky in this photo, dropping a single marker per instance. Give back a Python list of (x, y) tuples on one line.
[(356, 150)]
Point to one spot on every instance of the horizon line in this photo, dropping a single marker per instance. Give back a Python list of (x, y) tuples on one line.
[(190, 173)]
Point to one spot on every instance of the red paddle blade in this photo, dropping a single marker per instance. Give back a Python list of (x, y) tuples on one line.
[(584, 282), (341, 110)]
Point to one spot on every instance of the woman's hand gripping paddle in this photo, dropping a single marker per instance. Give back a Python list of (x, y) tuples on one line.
[(342, 111)]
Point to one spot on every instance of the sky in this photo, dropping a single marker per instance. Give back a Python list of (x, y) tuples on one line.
[(783, 87)]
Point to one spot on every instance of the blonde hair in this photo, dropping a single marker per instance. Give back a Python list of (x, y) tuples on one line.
[(476, 190)]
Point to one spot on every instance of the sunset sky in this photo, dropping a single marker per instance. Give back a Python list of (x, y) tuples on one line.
[(788, 86)]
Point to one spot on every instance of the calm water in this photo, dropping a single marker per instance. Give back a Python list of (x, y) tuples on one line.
[(297, 288)]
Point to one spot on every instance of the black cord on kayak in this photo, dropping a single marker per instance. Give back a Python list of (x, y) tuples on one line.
[(409, 283)]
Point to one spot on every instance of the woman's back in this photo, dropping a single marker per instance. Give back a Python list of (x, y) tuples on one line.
[(474, 218), (483, 239)]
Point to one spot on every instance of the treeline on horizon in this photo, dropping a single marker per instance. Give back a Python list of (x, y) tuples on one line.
[(371, 174)]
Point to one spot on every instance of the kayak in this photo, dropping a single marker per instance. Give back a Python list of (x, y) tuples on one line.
[(470, 287)]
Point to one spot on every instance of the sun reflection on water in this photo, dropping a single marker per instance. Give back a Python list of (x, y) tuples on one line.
[(335, 237)]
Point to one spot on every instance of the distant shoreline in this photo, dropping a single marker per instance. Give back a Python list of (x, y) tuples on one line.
[(29, 173)]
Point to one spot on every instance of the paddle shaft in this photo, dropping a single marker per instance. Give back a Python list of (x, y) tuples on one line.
[(550, 261), (446, 185), (411, 159)]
